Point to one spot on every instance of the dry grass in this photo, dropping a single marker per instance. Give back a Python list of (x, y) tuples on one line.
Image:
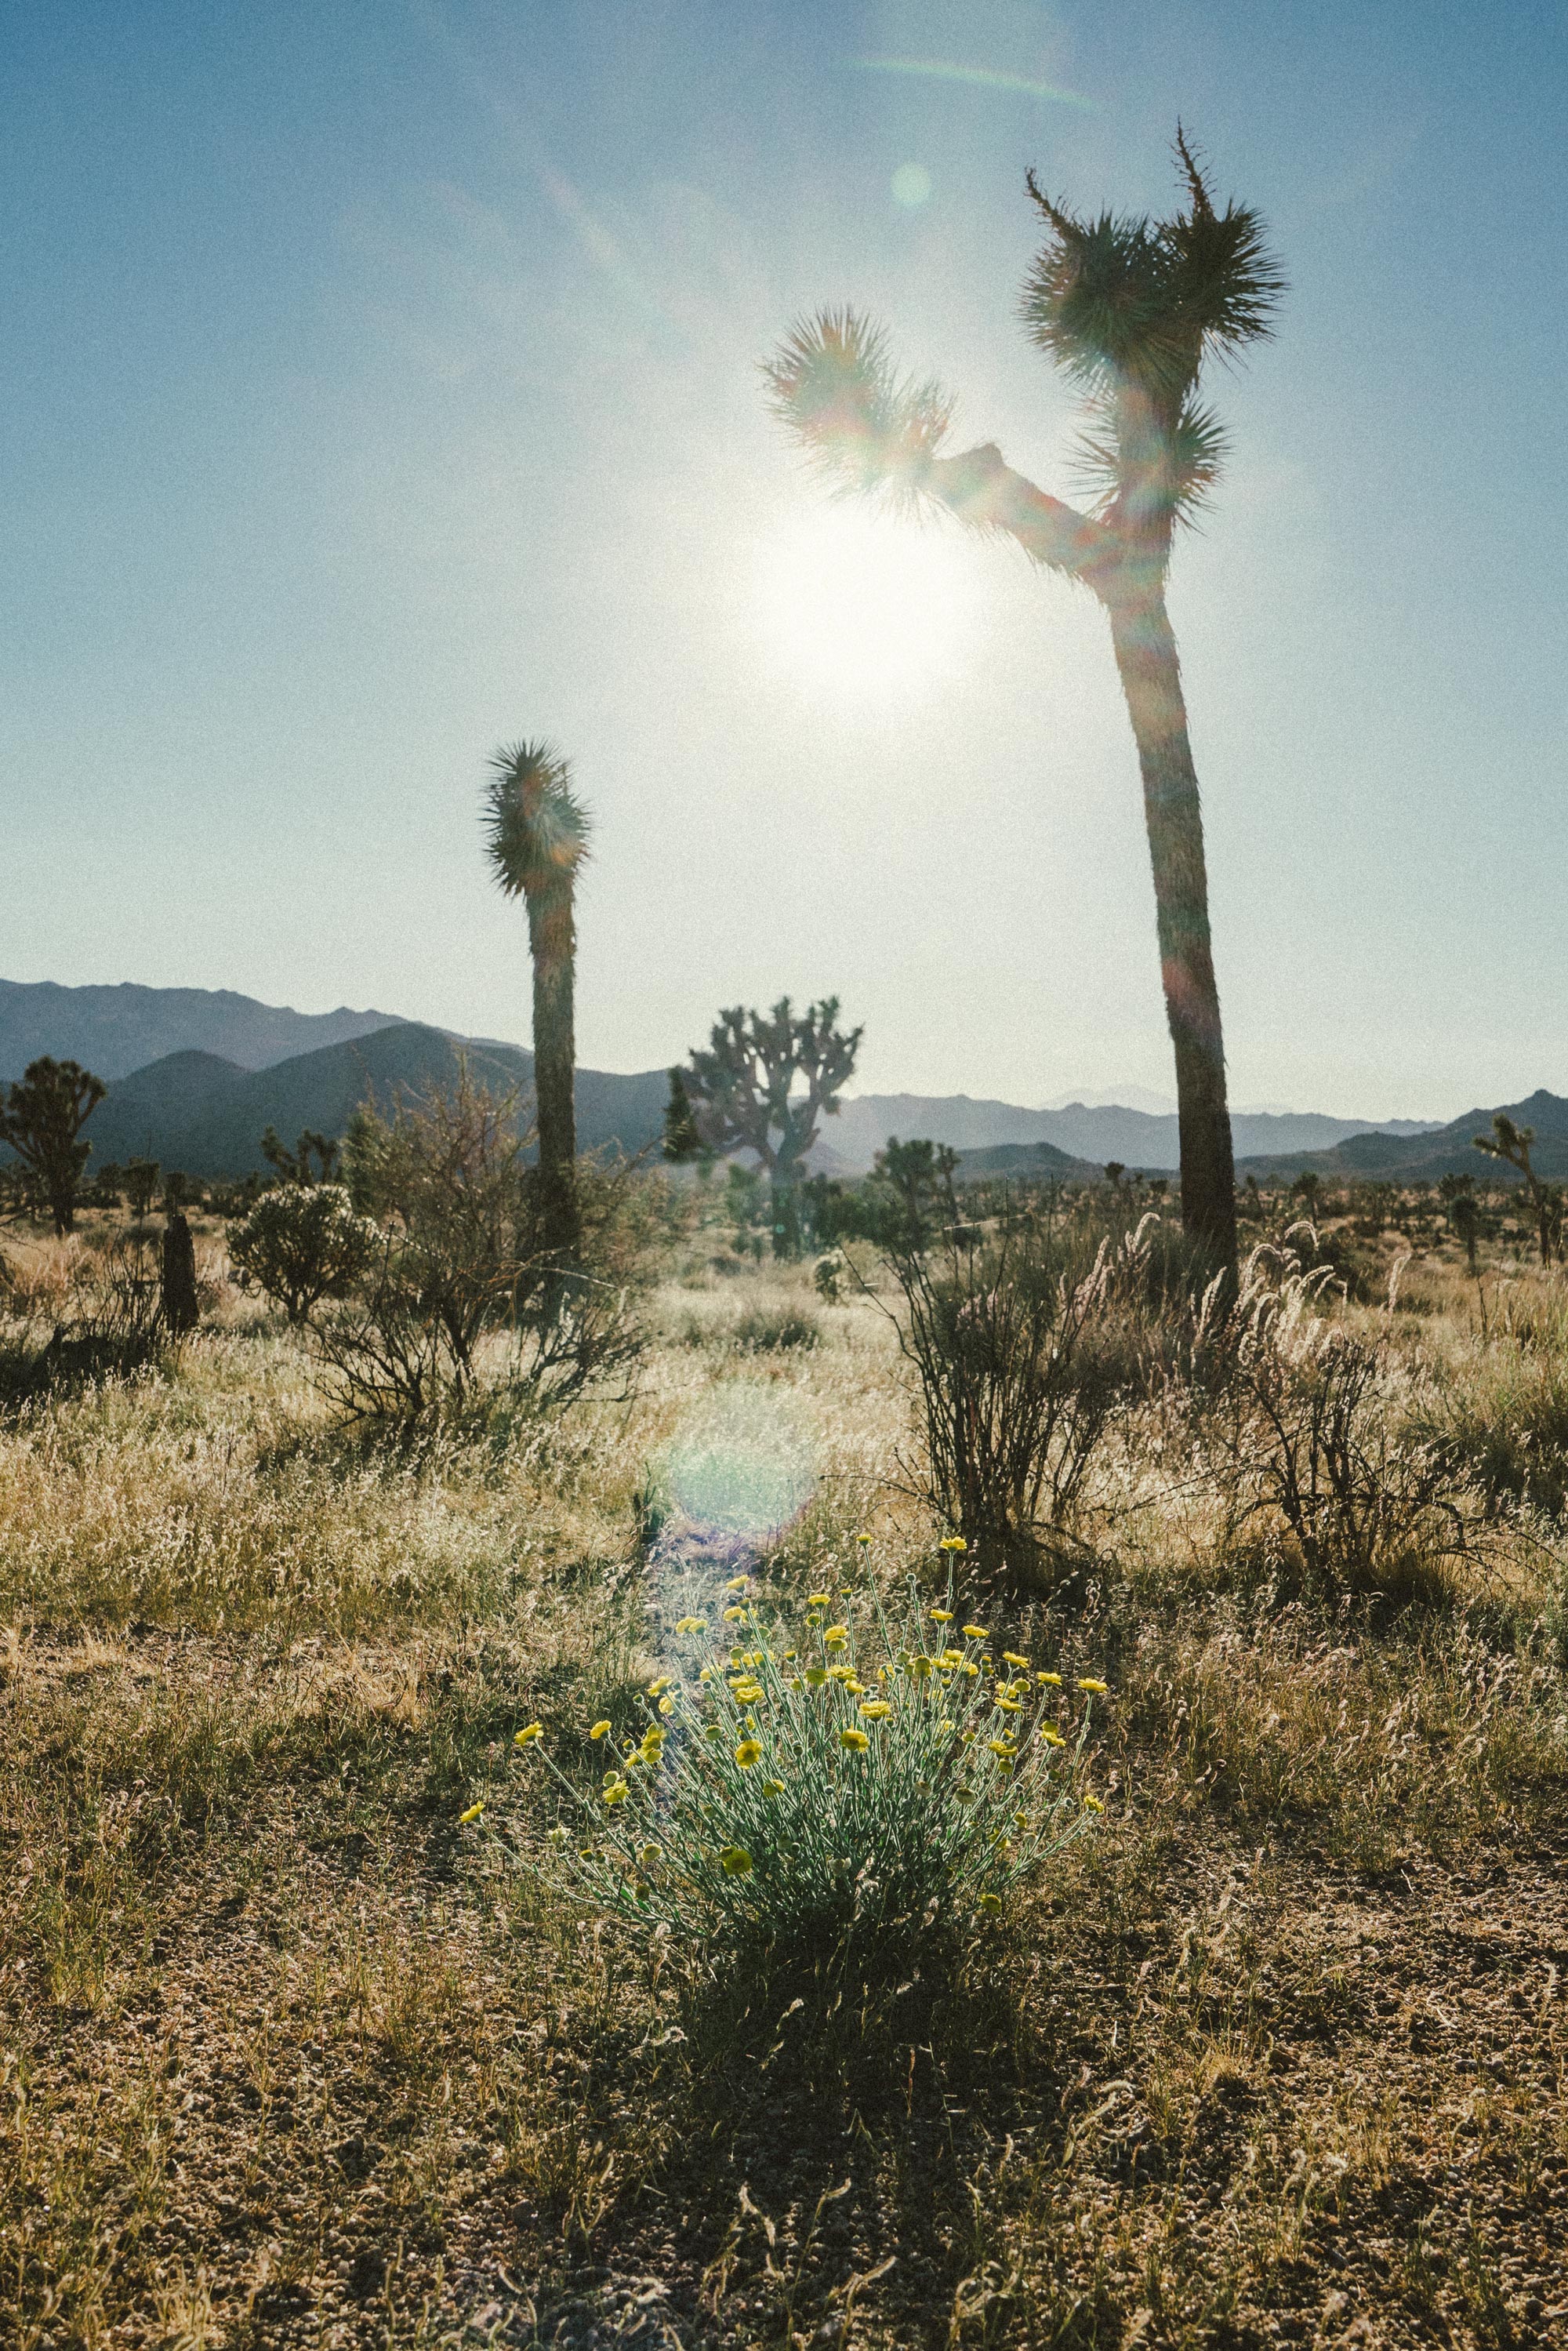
[(290, 2057)]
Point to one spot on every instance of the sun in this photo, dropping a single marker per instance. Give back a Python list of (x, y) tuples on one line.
[(863, 607)]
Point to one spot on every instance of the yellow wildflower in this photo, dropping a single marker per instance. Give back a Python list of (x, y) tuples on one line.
[(616, 1792), (734, 1861), (972, 1670), (1048, 1681), (773, 1787), (705, 1675), (735, 1615), (1010, 1657), (975, 1633), (854, 1738), (863, 1539), (1008, 1706), (952, 1542), (471, 1814), (657, 1689), (1003, 1746), (941, 1616), (748, 1692), (647, 1854), (556, 1836), (968, 1738), (816, 1675), (1052, 1737), (946, 1724), (530, 1736), (1097, 1689), (692, 1624), (1094, 1804), (667, 1706), (836, 1636), (921, 1667), (818, 1600), (748, 1753), (599, 1730), (875, 1709), (990, 1904), (737, 1584)]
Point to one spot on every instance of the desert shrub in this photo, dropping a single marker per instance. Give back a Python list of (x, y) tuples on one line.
[(1022, 1356), (1308, 1436), (76, 1316), (769, 1329), (775, 1802), (301, 1243), (465, 1299)]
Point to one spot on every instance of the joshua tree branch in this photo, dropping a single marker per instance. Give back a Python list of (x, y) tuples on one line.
[(981, 490)]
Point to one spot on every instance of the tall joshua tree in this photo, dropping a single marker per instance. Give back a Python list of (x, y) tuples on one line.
[(536, 834), (1130, 308)]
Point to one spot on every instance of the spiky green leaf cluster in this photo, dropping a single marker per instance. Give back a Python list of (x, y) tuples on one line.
[(832, 385), (537, 828)]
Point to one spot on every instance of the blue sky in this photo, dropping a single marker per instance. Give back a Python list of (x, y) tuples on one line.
[(382, 387)]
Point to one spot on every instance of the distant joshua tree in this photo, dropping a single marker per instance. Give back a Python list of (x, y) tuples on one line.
[(763, 1084), (538, 833), (42, 1119), (1130, 309), (1512, 1145)]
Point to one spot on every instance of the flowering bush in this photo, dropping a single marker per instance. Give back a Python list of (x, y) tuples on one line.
[(791, 1786)]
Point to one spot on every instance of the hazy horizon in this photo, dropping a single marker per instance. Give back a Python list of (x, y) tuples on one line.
[(386, 388)]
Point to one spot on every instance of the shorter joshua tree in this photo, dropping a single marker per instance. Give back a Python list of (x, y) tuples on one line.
[(1512, 1145), (142, 1177), (294, 1166), (42, 1119), (764, 1084), (538, 832), (1458, 1193)]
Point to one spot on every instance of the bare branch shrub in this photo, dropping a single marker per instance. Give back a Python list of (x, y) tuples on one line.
[(465, 1300), (74, 1316)]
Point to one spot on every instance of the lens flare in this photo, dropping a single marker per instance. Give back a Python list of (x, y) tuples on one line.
[(742, 1463), (977, 78)]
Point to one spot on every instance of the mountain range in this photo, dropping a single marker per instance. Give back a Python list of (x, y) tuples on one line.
[(195, 1076), (113, 1031)]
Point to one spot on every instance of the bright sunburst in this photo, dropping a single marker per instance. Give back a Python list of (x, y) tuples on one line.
[(863, 608)]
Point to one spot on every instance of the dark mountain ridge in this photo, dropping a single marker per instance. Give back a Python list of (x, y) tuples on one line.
[(207, 1115), (1422, 1159)]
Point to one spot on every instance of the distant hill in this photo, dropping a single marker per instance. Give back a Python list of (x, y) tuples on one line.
[(1094, 1132), (206, 1114), (1423, 1158), (1035, 1160), (113, 1031)]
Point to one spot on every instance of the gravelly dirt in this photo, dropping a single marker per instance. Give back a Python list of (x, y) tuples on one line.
[(334, 2091)]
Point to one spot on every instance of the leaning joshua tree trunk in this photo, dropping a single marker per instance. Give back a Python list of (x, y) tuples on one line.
[(1129, 308), (538, 840), (1150, 673)]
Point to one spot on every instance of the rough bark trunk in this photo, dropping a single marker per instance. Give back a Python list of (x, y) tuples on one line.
[(181, 1307), (1150, 672), (555, 1095)]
